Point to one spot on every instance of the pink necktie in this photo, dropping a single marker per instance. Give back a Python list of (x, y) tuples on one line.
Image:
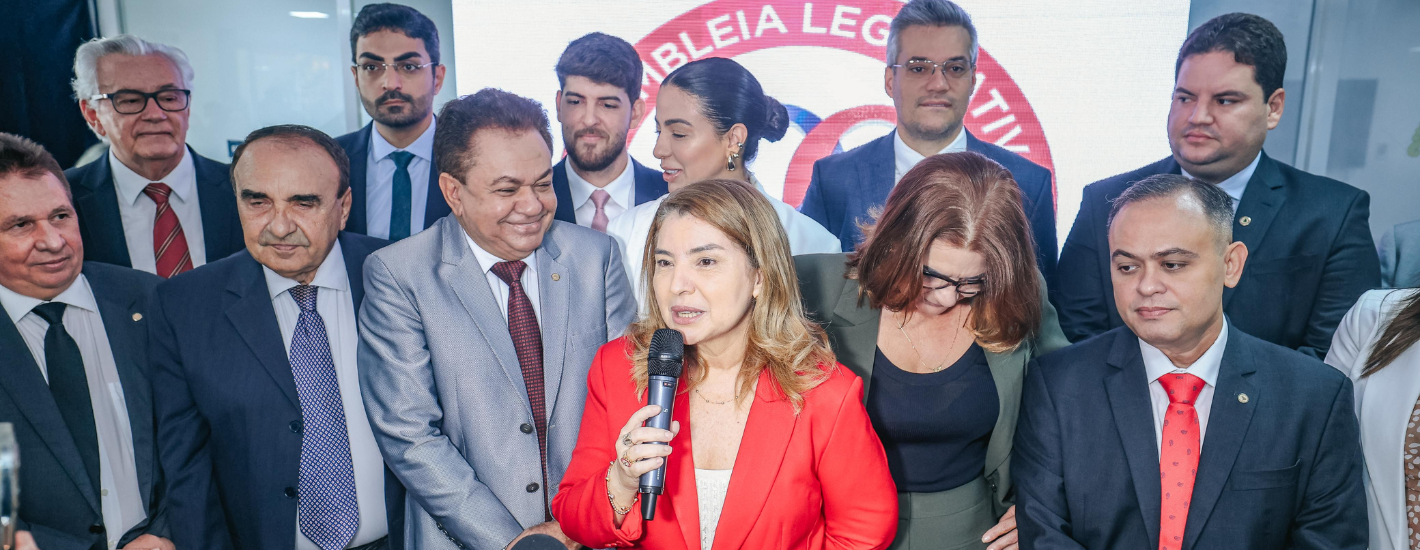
[(599, 198)]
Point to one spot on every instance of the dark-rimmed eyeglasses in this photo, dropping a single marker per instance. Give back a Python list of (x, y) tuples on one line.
[(376, 70), (132, 102), (921, 69), (933, 281)]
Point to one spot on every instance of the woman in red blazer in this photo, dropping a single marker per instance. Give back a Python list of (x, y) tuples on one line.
[(773, 449)]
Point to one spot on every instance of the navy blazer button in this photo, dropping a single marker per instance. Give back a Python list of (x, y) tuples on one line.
[(297, 426), (291, 492), (97, 529), (532, 487), (526, 428)]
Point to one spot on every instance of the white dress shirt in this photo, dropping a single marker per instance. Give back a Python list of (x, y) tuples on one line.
[(1236, 184), (622, 191), (631, 230), (1156, 365), (906, 157), (500, 289), (138, 212), (336, 307), (379, 182), (120, 497)]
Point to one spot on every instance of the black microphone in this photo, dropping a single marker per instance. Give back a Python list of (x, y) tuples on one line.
[(664, 362), (539, 542)]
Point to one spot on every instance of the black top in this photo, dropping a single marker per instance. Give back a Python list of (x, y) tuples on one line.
[(934, 426)]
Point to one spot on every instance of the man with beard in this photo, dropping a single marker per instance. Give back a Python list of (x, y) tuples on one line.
[(394, 185), (600, 101), (1312, 255), (931, 73)]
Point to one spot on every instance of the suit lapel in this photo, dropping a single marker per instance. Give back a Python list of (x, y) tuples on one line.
[(1007, 371), (214, 201), (767, 433), (461, 270), (359, 157), (254, 318), (435, 207), (97, 198), (553, 296), (875, 180), (28, 389), (354, 254), (123, 322), (1128, 390), (685, 500), (563, 189), (1228, 421), (854, 330), (1261, 200)]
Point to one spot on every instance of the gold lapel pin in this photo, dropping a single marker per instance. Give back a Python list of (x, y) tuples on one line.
[(1245, 220), (137, 316), (1242, 398), (556, 277)]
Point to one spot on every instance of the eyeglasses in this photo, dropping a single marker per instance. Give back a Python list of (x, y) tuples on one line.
[(132, 102), (376, 70), (921, 69), (966, 288)]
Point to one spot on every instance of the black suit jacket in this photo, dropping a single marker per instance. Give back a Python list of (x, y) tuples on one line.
[(101, 225), (357, 148), (1279, 468), (1310, 257), (229, 418), (57, 503), (650, 185)]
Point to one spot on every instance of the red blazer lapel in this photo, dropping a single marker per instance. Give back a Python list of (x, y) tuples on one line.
[(680, 479), (766, 437)]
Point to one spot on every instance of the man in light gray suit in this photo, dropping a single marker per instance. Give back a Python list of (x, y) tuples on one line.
[(1400, 256), (476, 334)]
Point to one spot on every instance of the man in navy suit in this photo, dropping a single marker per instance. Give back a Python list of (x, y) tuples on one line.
[(930, 76), (598, 105), (73, 371), (1309, 236), (394, 181), (263, 433), (150, 203), (1180, 431)]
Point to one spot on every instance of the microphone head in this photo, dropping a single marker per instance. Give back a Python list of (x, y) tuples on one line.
[(665, 357)]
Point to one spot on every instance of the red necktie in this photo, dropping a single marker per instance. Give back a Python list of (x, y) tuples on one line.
[(169, 242), (527, 340), (1178, 457)]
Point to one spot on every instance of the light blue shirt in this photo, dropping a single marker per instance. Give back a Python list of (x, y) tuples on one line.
[(1236, 184), (379, 182)]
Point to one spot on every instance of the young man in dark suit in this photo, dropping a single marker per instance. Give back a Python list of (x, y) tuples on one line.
[(394, 181), (1309, 236), (598, 105), (150, 203), (262, 430), (73, 371), (1179, 430), (931, 73)]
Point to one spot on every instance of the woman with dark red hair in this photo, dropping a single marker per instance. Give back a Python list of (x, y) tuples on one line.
[(939, 310)]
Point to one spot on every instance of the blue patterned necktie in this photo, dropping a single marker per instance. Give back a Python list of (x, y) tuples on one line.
[(328, 509), (402, 193)]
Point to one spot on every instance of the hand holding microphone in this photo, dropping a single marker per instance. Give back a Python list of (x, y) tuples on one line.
[(642, 449)]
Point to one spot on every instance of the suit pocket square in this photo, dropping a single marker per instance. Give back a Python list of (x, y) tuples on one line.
[(1265, 479)]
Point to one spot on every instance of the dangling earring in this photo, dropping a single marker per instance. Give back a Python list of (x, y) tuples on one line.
[(733, 157)]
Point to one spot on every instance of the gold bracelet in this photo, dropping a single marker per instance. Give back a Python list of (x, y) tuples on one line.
[(612, 499)]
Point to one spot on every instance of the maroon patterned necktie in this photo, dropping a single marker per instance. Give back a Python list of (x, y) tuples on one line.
[(527, 340), (169, 242)]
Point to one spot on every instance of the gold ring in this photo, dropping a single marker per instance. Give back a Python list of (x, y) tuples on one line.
[(624, 461)]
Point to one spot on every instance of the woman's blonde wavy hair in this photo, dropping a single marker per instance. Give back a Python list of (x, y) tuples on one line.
[(781, 338)]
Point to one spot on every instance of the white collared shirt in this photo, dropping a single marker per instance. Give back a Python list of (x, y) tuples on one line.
[(379, 181), (139, 213), (336, 307), (121, 500), (1156, 365), (500, 289), (906, 157), (1236, 184), (622, 191)]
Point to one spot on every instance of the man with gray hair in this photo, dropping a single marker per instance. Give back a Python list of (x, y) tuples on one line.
[(151, 203), (1253, 445), (930, 75)]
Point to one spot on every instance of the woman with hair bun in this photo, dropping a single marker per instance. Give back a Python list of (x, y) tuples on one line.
[(710, 115)]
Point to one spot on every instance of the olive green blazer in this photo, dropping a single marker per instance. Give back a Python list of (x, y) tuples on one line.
[(832, 300)]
